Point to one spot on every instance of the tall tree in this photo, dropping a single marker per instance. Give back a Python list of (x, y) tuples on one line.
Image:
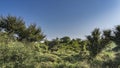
[(94, 42), (117, 37), (117, 33), (107, 37), (12, 24), (34, 33), (16, 25)]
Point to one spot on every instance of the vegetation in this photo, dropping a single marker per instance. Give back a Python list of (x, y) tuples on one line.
[(21, 47), (16, 26)]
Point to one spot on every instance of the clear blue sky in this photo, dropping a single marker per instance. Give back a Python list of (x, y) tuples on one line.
[(58, 18)]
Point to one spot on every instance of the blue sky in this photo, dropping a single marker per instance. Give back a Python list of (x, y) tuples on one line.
[(58, 18)]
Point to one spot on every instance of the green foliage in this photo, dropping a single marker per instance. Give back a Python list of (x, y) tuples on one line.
[(117, 37), (94, 43), (20, 47), (65, 39), (107, 35), (10, 24), (16, 26), (33, 33)]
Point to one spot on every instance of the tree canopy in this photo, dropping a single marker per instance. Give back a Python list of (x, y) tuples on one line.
[(16, 25)]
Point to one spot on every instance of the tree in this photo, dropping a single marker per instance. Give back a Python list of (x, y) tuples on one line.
[(53, 45), (117, 33), (65, 39), (34, 33), (117, 37), (107, 37), (94, 42), (14, 25)]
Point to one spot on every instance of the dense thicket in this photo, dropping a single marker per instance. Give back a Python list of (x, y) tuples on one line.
[(20, 47)]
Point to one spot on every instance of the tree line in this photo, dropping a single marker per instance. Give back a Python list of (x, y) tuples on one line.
[(94, 43)]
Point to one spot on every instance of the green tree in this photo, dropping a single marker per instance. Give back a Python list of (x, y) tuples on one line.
[(16, 26), (65, 39), (107, 37), (12, 24), (34, 33), (117, 33), (53, 45), (117, 37), (94, 42)]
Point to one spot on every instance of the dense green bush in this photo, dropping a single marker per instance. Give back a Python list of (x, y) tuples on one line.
[(14, 54)]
